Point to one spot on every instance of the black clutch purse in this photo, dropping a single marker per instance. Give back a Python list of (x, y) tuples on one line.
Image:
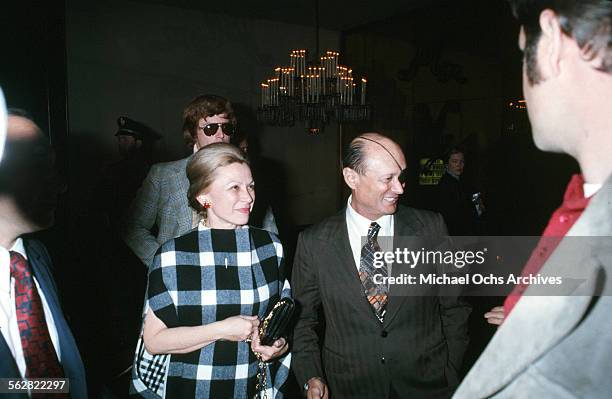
[(276, 322)]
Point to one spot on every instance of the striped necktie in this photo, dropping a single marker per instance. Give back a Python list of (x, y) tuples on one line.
[(376, 293)]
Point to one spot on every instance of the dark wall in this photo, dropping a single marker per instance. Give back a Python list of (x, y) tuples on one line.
[(444, 75), (148, 61), (33, 69), (33, 77)]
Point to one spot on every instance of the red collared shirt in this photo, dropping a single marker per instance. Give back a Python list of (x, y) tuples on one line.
[(559, 224)]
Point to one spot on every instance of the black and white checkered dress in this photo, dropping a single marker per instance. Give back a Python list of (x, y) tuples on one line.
[(208, 275)]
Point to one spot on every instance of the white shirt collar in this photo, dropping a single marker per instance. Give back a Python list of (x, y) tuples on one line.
[(590, 189), (362, 224), (5, 263), (9, 328), (358, 226)]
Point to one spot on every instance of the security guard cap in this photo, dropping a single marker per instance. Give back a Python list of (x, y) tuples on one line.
[(139, 131)]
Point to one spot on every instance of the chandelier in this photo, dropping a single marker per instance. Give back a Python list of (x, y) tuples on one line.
[(314, 93)]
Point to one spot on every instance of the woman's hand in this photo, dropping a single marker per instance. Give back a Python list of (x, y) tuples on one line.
[(238, 328), (278, 348)]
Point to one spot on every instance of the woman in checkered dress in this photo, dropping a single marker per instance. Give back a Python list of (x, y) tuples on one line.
[(209, 288)]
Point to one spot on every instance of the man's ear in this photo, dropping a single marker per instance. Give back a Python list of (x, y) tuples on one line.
[(138, 143), (351, 178), (551, 43)]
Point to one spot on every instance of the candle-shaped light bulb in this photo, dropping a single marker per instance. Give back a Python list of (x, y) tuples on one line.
[(363, 90), (323, 80), (262, 95), (302, 87)]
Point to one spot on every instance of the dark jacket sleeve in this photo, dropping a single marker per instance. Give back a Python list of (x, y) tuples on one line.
[(447, 203), (306, 349), (454, 312)]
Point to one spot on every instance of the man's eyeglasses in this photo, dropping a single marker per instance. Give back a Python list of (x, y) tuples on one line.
[(210, 129)]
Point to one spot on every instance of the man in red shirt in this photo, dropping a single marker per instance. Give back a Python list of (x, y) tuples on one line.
[(561, 346)]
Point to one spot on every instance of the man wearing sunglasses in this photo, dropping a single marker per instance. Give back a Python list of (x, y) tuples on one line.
[(160, 210)]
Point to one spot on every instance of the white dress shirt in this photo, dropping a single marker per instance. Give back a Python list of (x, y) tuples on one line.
[(358, 229), (590, 189), (8, 317)]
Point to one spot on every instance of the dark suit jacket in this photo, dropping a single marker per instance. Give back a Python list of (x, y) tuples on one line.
[(455, 205), (71, 359), (419, 347)]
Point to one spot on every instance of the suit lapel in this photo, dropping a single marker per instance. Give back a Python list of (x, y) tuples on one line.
[(404, 224), (70, 356), (538, 323), (45, 281), (340, 242), (534, 326)]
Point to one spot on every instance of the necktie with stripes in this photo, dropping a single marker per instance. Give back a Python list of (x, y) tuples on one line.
[(376, 293)]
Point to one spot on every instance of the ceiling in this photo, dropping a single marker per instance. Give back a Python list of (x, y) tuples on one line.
[(333, 14)]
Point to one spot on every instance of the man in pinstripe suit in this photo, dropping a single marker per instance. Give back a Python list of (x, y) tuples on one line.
[(413, 348)]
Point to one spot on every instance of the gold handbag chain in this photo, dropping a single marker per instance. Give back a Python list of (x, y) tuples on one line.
[(262, 378), (262, 375)]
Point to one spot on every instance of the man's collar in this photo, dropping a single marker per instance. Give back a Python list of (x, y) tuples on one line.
[(17, 246), (362, 222), (5, 262), (590, 189), (452, 174)]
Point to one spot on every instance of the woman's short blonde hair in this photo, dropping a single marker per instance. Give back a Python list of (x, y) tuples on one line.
[(202, 166)]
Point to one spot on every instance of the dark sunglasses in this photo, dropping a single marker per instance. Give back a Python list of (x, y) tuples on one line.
[(210, 129)]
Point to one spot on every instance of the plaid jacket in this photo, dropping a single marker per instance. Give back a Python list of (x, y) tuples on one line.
[(161, 201), (205, 276)]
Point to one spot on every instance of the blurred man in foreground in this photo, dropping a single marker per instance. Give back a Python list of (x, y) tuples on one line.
[(560, 346), (36, 341)]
